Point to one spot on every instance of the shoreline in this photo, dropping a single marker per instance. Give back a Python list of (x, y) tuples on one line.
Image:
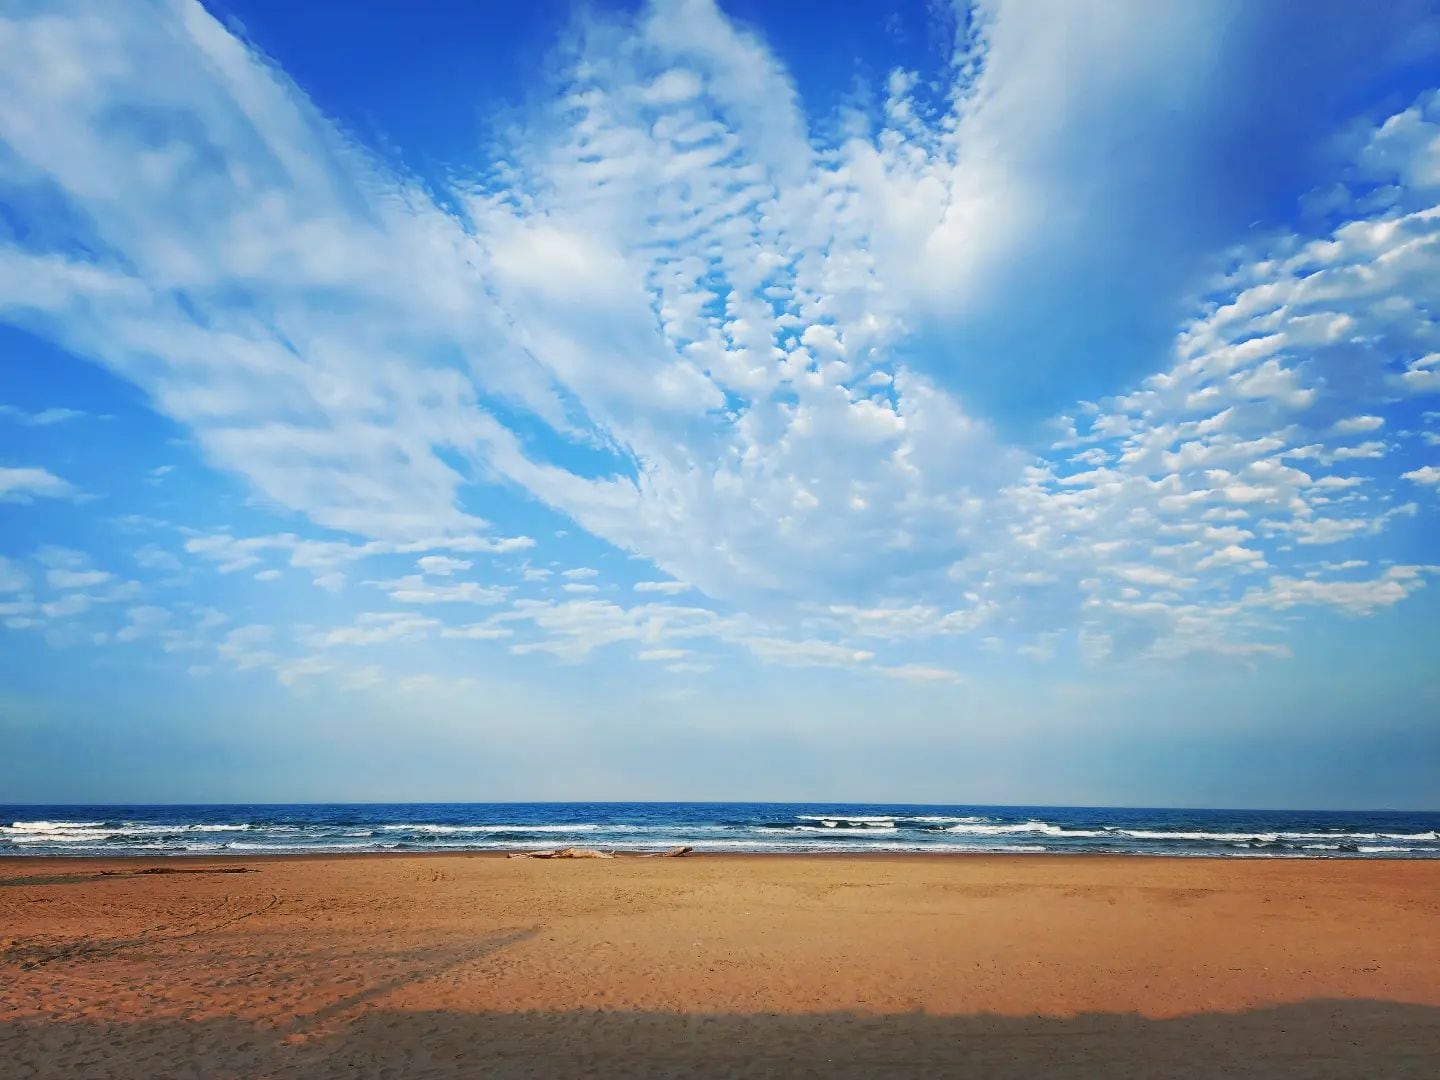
[(628, 855)]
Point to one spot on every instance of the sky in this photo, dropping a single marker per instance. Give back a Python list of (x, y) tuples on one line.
[(1025, 403)]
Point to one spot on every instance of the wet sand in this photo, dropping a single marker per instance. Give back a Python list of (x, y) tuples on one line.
[(464, 965)]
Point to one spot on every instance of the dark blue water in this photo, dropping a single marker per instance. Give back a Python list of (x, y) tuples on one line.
[(237, 829)]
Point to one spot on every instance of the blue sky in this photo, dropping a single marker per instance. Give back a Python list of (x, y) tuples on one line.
[(1024, 403)]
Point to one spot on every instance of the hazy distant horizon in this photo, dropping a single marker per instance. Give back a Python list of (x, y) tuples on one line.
[(733, 802), (892, 803)]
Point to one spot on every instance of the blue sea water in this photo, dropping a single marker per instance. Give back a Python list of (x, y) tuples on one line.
[(738, 827)]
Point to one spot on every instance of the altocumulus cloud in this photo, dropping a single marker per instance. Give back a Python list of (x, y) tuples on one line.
[(712, 304)]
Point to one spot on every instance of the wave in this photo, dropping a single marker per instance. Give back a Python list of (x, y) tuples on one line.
[(1043, 828), (941, 819), (1339, 837), (858, 820), (201, 830), (290, 849), (61, 838), (62, 829), (445, 830), (53, 826)]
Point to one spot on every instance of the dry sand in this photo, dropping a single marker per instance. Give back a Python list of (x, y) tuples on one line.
[(998, 966)]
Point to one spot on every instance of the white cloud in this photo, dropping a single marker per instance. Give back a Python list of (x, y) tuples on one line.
[(688, 668), (290, 672), (1154, 576), (26, 484), (228, 553), (671, 88), (13, 578), (572, 629), (379, 628), (477, 632), (1338, 483), (714, 303), (43, 418), (231, 553), (661, 654), (667, 587), (413, 589), (145, 620), (442, 565), (1406, 146), (391, 438), (911, 621), (1232, 555), (1350, 597), (77, 579), (919, 673), (805, 653), (1428, 474), (1357, 425), (1421, 376), (154, 557), (331, 582), (1208, 468)]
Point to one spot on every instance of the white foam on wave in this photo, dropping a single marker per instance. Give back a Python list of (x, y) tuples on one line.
[(70, 832), (446, 830), (1432, 835), (143, 827), (283, 848), (1045, 828), (50, 826), (1042, 828), (1161, 834), (1272, 836)]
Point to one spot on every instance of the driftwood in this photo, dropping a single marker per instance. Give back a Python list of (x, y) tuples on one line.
[(591, 853), (673, 853), (563, 853)]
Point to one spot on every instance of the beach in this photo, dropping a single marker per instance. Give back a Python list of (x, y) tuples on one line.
[(723, 965)]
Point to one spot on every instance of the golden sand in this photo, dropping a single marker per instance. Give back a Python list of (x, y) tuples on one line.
[(456, 965)]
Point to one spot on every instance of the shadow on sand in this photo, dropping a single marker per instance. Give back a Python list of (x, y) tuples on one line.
[(1311, 1039)]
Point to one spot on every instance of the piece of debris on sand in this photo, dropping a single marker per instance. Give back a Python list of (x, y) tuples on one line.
[(563, 853), (592, 853)]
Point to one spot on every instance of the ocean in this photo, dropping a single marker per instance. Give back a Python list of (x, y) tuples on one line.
[(719, 827)]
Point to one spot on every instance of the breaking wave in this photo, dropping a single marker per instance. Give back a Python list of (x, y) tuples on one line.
[(735, 827)]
